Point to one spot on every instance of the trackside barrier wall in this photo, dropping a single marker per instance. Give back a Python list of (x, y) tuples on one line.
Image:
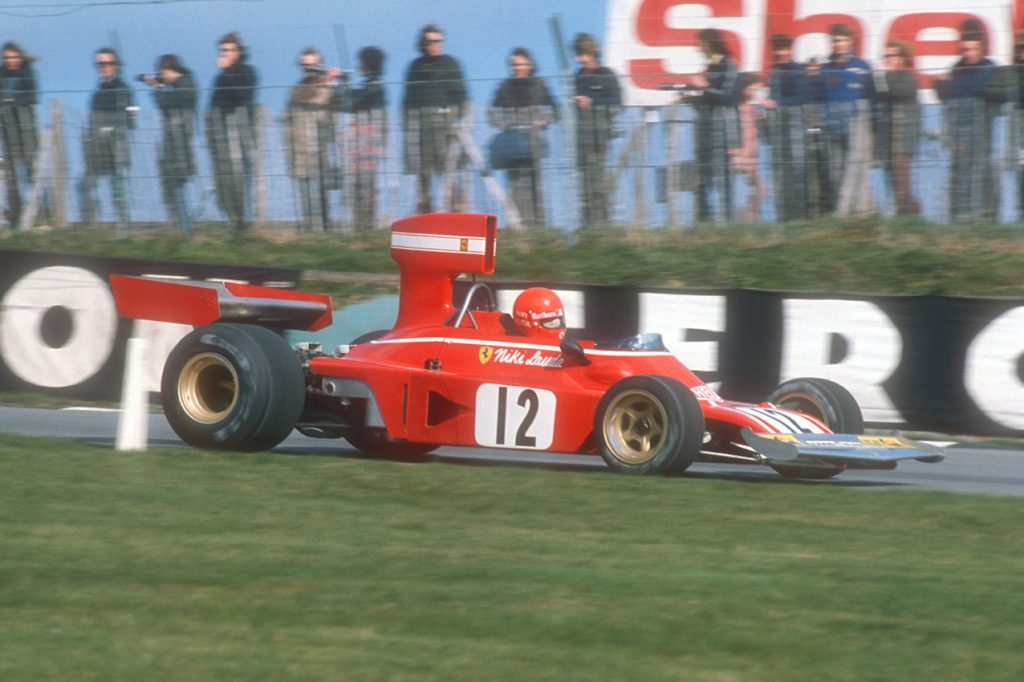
[(938, 363), (59, 328)]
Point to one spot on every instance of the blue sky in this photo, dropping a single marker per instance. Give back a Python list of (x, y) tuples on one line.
[(63, 35)]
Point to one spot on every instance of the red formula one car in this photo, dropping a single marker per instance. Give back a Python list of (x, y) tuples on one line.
[(465, 374)]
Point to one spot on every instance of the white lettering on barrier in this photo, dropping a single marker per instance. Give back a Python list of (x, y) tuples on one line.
[(79, 294), (673, 315), (653, 43), (874, 347), (991, 373)]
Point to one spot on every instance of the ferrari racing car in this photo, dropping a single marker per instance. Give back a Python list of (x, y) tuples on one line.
[(461, 373)]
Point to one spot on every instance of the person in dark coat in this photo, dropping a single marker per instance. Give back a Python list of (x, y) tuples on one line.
[(788, 93), (598, 100), (231, 130), (718, 131), (366, 132), (1015, 87), (969, 131), (435, 103), (19, 129), (523, 103), (174, 90), (897, 121), (105, 143)]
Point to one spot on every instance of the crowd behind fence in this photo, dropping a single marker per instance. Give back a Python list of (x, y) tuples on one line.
[(652, 175), (338, 158)]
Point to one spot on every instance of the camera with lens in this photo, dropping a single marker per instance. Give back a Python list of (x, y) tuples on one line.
[(150, 78)]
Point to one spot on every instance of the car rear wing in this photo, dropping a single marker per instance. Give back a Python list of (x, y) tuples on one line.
[(431, 251), (201, 303)]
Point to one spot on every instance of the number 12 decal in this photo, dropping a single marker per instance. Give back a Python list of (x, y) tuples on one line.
[(514, 417)]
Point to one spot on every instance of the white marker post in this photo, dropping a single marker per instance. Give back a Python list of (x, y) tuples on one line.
[(133, 424)]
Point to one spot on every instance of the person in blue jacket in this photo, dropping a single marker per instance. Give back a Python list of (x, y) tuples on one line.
[(842, 87), (963, 90), (787, 96)]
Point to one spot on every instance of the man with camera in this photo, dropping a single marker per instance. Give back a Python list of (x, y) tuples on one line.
[(174, 90), (310, 134)]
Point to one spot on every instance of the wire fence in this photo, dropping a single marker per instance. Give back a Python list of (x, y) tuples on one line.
[(652, 177)]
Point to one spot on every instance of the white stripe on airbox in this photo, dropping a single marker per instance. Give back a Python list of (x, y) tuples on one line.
[(438, 243)]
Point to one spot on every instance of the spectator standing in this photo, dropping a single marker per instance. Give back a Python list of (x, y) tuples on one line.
[(434, 104), (309, 131), (788, 92), (174, 90), (718, 132), (523, 103), (366, 135), (1016, 86), (897, 122), (231, 130), (18, 126), (745, 157), (105, 144), (968, 128), (598, 100), (843, 83)]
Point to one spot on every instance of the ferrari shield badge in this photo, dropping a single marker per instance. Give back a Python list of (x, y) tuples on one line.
[(486, 353)]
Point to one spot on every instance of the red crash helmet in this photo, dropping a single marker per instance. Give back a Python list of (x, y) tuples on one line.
[(539, 312)]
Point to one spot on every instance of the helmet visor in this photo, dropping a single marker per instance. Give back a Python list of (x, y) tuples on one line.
[(553, 323)]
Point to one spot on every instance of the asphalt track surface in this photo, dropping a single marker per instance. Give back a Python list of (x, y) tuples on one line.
[(968, 468)]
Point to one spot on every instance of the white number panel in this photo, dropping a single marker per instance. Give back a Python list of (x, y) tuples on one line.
[(514, 417)]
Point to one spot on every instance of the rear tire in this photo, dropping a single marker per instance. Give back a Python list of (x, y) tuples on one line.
[(825, 400), (232, 387), (649, 425)]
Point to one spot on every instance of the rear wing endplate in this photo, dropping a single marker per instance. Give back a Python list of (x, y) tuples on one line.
[(200, 303)]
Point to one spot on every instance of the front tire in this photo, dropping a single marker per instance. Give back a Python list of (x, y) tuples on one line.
[(232, 387), (649, 425), (828, 402)]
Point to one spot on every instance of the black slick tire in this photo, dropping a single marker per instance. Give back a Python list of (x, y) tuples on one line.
[(827, 401), (232, 387), (648, 424)]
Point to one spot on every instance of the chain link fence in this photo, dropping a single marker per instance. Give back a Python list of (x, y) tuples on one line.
[(652, 173)]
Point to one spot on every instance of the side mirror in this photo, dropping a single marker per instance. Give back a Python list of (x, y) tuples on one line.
[(571, 348)]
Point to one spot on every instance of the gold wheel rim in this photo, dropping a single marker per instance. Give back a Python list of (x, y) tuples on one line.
[(635, 425), (803, 403), (207, 388)]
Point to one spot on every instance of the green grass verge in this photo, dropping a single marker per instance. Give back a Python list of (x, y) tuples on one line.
[(183, 564), (866, 255)]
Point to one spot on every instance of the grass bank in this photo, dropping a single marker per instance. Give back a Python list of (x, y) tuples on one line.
[(183, 564), (848, 255)]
